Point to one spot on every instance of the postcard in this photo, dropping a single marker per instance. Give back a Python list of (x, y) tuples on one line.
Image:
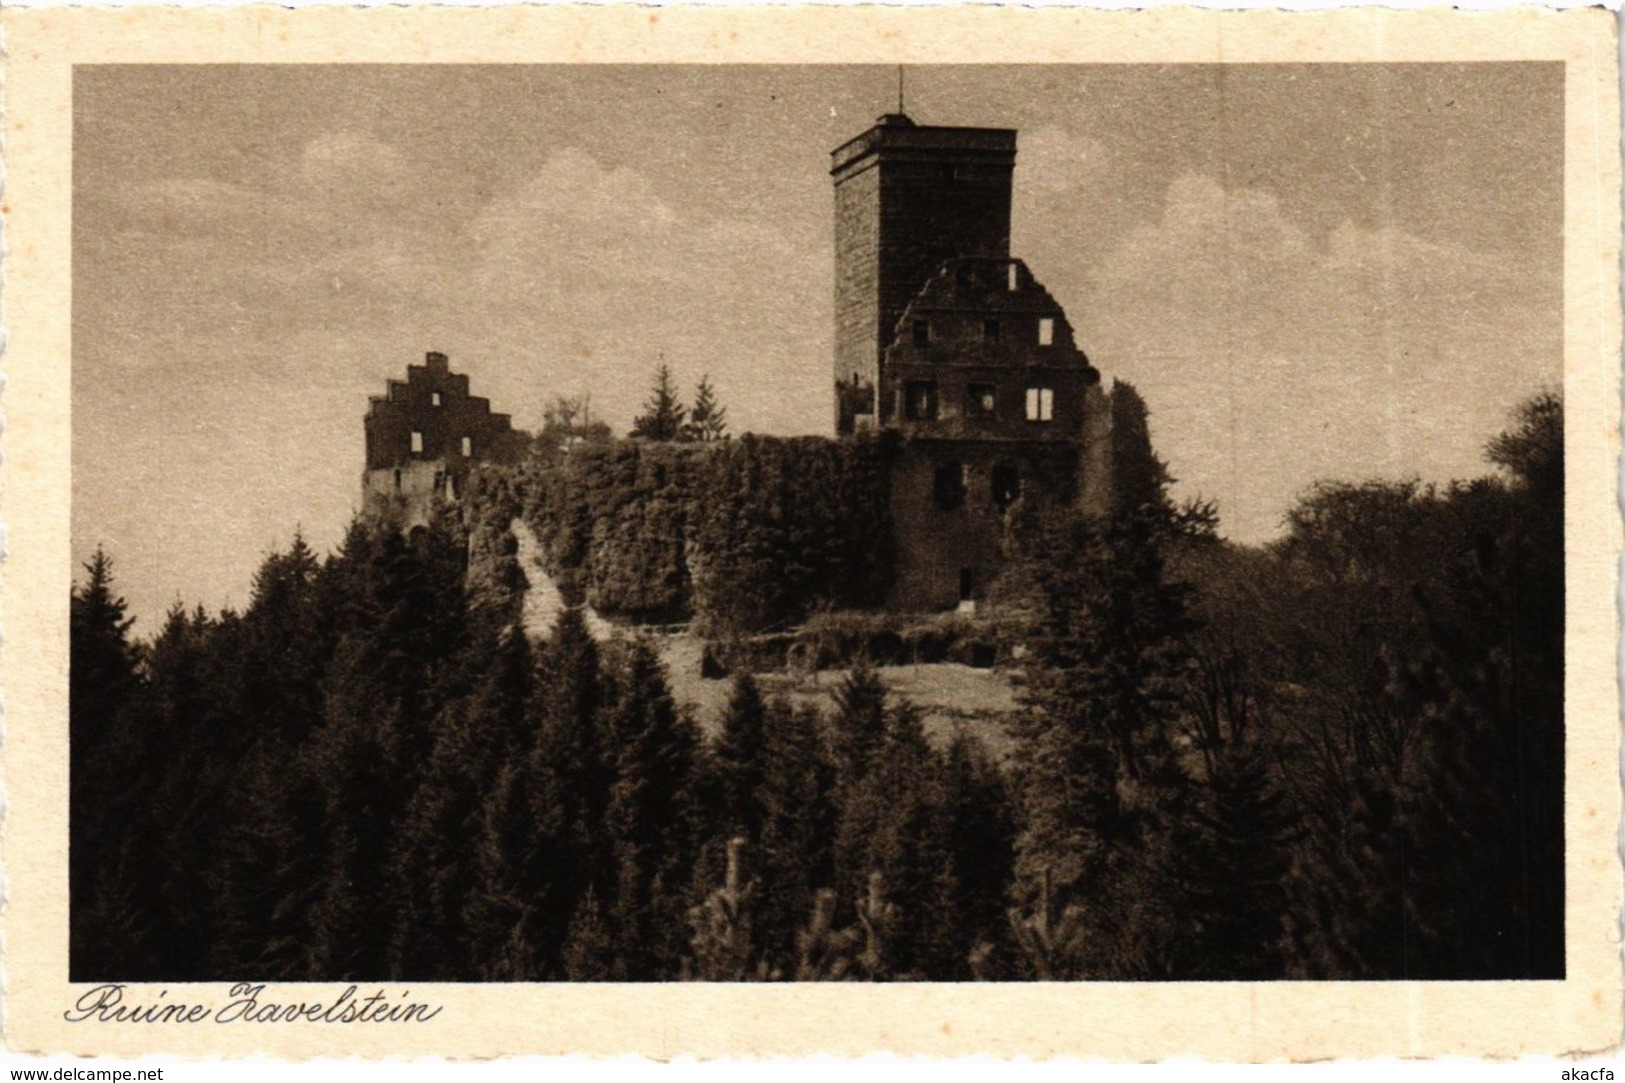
[(751, 531)]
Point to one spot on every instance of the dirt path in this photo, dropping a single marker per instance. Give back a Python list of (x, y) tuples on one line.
[(543, 601)]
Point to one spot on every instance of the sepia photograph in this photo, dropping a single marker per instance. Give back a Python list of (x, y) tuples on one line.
[(699, 533), (805, 523)]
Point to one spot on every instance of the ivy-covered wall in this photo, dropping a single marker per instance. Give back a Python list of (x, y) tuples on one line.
[(746, 535)]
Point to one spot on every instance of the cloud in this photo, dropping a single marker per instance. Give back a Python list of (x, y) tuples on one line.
[(591, 273), (345, 182), (342, 164), (186, 207), (1275, 358), (1228, 269), (576, 225), (185, 260)]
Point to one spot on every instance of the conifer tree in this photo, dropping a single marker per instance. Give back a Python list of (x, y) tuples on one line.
[(1223, 877), (357, 763), (662, 417), (796, 855), (286, 644), (574, 768), (979, 827), (429, 872), (266, 871), (708, 418), (858, 727), (389, 672), (738, 759), (650, 819), (1098, 756), (483, 870), (102, 677), (185, 760), (723, 943), (590, 950), (1052, 942), (892, 826), (1139, 478), (107, 913)]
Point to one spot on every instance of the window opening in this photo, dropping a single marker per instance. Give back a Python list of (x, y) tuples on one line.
[(967, 584), (1040, 404), (1046, 331), (1006, 486), (948, 486), (990, 330), (1014, 283), (920, 400), (434, 398), (417, 442), (468, 446), (982, 401), (922, 333)]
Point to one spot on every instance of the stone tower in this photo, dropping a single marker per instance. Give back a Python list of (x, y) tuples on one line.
[(907, 198), (946, 341), (423, 435)]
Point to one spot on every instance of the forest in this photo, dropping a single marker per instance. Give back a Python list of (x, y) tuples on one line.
[(1335, 756)]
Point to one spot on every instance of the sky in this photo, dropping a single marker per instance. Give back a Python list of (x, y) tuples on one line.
[(1308, 271)]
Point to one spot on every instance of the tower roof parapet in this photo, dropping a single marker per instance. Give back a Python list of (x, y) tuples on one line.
[(897, 136)]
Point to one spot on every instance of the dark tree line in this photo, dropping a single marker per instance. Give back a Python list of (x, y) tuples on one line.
[(1337, 756), (357, 778)]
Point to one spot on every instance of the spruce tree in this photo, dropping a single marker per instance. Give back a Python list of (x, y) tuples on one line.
[(1227, 866), (590, 949), (574, 767), (389, 673), (662, 417), (858, 727), (796, 854), (708, 418), (724, 943), (102, 674), (650, 819), (102, 683), (107, 912), (1099, 762), (287, 644), (978, 822), (498, 850), (738, 757)]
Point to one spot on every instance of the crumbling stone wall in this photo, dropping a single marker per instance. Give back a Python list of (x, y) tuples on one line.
[(423, 436)]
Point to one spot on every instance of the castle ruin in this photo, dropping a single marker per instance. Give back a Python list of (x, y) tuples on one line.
[(423, 436), (946, 347), (944, 340)]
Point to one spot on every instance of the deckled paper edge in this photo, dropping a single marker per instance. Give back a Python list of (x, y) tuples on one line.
[(1279, 1021)]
